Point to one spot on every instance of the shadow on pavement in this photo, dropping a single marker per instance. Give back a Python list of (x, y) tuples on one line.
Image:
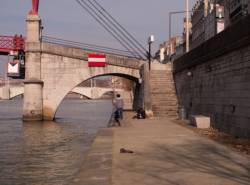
[(192, 162)]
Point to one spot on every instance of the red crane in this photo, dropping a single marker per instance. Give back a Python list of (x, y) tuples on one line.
[(13, 46), (9, 44)]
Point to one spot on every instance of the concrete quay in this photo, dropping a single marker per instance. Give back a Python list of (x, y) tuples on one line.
[(164, 154)]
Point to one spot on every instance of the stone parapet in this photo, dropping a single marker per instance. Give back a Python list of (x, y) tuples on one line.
[(33, 81), (77, 53)]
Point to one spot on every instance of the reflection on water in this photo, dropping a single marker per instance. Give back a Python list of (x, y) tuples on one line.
[(46, 153)]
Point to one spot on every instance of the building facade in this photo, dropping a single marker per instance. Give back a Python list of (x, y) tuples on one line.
[(238, 9), (208, 18), (167, 49), (199, 12)]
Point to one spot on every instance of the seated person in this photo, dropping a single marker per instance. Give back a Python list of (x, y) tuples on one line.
[(140, 114)]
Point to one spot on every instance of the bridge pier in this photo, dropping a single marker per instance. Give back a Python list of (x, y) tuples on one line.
[(33, 85), (146, 90), (142, 96), (33, 103)]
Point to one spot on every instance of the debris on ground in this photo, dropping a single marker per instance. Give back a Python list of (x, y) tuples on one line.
[(123, 150), (238, 144)]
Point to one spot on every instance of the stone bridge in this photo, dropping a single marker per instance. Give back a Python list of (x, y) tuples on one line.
[(7, 93), (53, 70), (10, 92)]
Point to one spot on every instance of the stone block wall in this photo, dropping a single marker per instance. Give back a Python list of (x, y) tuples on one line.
[(139, 92), (216, 83)]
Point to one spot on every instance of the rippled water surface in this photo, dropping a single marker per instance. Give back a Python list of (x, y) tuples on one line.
[(46, 153)]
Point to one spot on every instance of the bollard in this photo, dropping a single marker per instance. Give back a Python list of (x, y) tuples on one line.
[(182, 113)]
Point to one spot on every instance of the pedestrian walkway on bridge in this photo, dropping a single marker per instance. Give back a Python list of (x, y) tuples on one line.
[(165, 153)]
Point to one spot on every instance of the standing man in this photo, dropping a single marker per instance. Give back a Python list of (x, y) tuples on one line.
[(118, 102)]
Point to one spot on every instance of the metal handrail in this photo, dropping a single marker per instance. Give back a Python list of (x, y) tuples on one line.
[(88, 47)]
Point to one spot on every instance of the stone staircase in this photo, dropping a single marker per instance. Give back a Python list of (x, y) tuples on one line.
[(163, 93)]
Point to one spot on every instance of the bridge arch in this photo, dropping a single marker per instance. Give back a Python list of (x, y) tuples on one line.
[(80, 94), (16, 91), (54, 96), (111, 93)]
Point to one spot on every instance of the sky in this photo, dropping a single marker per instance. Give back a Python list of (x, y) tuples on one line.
[(67, 20)]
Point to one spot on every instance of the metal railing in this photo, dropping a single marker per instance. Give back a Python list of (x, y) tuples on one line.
[(87, 47)]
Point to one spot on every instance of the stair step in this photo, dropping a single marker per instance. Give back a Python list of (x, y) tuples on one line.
[(161, 101), (153, 72), (165, 74), (168, 112), (160, 75), (165, 109), (163, 89), (165, 101), (166, 116), (172, 108), (164, 83), (162, 80), (163, 93), (171, 103), (170, 97), (164, 96), (165, 112), (163, 86)]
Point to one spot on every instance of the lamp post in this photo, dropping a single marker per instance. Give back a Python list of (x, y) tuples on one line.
[(92, 90), (187, 25), (170, 25), (113, 81), (151, 39), (170, 22)]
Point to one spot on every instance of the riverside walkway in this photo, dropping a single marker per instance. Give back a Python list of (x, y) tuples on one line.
[(164, 154)]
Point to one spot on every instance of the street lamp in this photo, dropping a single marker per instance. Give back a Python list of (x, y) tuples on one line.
[(151, 39), (170, 22), (187, 25)]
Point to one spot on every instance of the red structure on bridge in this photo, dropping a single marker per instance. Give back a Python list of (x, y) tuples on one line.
[(13, 46), (9, 44), (35, 7)]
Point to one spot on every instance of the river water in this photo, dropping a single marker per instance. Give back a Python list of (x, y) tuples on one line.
[(46, 153)]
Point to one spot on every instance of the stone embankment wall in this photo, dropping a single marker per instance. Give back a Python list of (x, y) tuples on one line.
[(214, 80)]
